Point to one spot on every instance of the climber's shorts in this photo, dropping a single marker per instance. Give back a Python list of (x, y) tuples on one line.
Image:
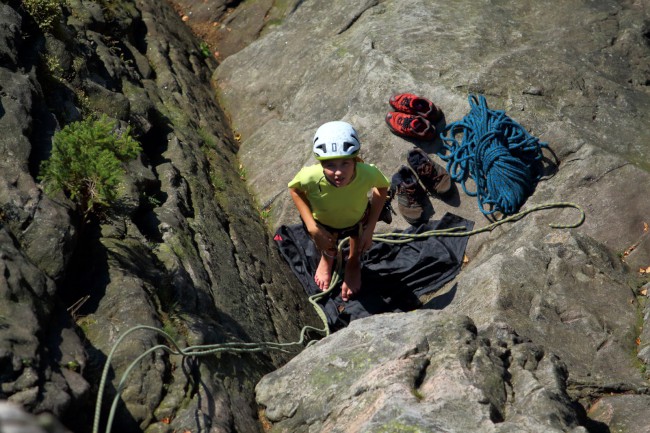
[(354, 231)]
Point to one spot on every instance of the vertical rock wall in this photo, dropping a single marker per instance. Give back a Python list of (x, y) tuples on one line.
[(184, 249)]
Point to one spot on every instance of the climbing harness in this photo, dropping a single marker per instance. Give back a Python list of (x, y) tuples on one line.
[(240, 347), (502, 158)]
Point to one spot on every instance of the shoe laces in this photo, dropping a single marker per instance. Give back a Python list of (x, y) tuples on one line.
[(428, 173), (405, 122), (412, 193), (425, 170), (409, 122), (406, 102)]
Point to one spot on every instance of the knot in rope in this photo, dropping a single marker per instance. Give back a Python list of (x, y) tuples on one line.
[(502, 158)]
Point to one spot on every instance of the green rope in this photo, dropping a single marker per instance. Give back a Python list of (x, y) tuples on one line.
[(237, 347), (398, 238), (198, 350)]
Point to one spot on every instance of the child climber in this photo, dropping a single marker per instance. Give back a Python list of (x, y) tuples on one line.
[(332, 199)]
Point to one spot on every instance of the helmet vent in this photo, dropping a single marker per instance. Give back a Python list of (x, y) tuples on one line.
[(321, 147), (347, 145)]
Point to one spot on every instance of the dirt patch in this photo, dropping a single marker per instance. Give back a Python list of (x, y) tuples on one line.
[(226, 27)]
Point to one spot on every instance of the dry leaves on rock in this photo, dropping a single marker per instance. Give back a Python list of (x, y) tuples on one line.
[(632, 247)]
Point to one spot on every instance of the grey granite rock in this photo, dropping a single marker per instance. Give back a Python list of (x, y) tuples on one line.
[(423, 371), (184, 248), (572, 73)]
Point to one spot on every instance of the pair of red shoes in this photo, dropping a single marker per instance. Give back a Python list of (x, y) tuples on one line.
[(414, 117)]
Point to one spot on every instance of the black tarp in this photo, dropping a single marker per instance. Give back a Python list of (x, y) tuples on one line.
[(393, 276)]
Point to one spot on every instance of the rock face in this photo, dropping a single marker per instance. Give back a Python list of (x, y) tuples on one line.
[(543, 330), (344, 60), (228, 26), (384, 374), (184, 250), (573, 73)]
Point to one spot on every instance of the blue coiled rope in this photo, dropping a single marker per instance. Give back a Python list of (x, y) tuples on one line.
[(502, 158)]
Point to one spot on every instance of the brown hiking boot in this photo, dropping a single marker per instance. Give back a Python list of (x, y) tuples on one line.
[(412, 200), (433, 176)]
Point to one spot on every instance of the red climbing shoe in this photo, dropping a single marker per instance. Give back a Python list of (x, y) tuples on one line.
[(411, 126), (412, 104)]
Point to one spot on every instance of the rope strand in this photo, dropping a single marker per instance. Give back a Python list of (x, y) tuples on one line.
[(502, 158)]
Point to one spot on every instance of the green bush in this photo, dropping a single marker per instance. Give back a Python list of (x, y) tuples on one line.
[(205, 49), (86, 162), (44, 12)]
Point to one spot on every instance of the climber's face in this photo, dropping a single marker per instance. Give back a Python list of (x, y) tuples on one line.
[(339, 172)]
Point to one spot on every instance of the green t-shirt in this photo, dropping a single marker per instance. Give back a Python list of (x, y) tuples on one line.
[(340, 207)]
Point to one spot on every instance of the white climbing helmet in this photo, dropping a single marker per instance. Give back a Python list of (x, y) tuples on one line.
[(336, 140)]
